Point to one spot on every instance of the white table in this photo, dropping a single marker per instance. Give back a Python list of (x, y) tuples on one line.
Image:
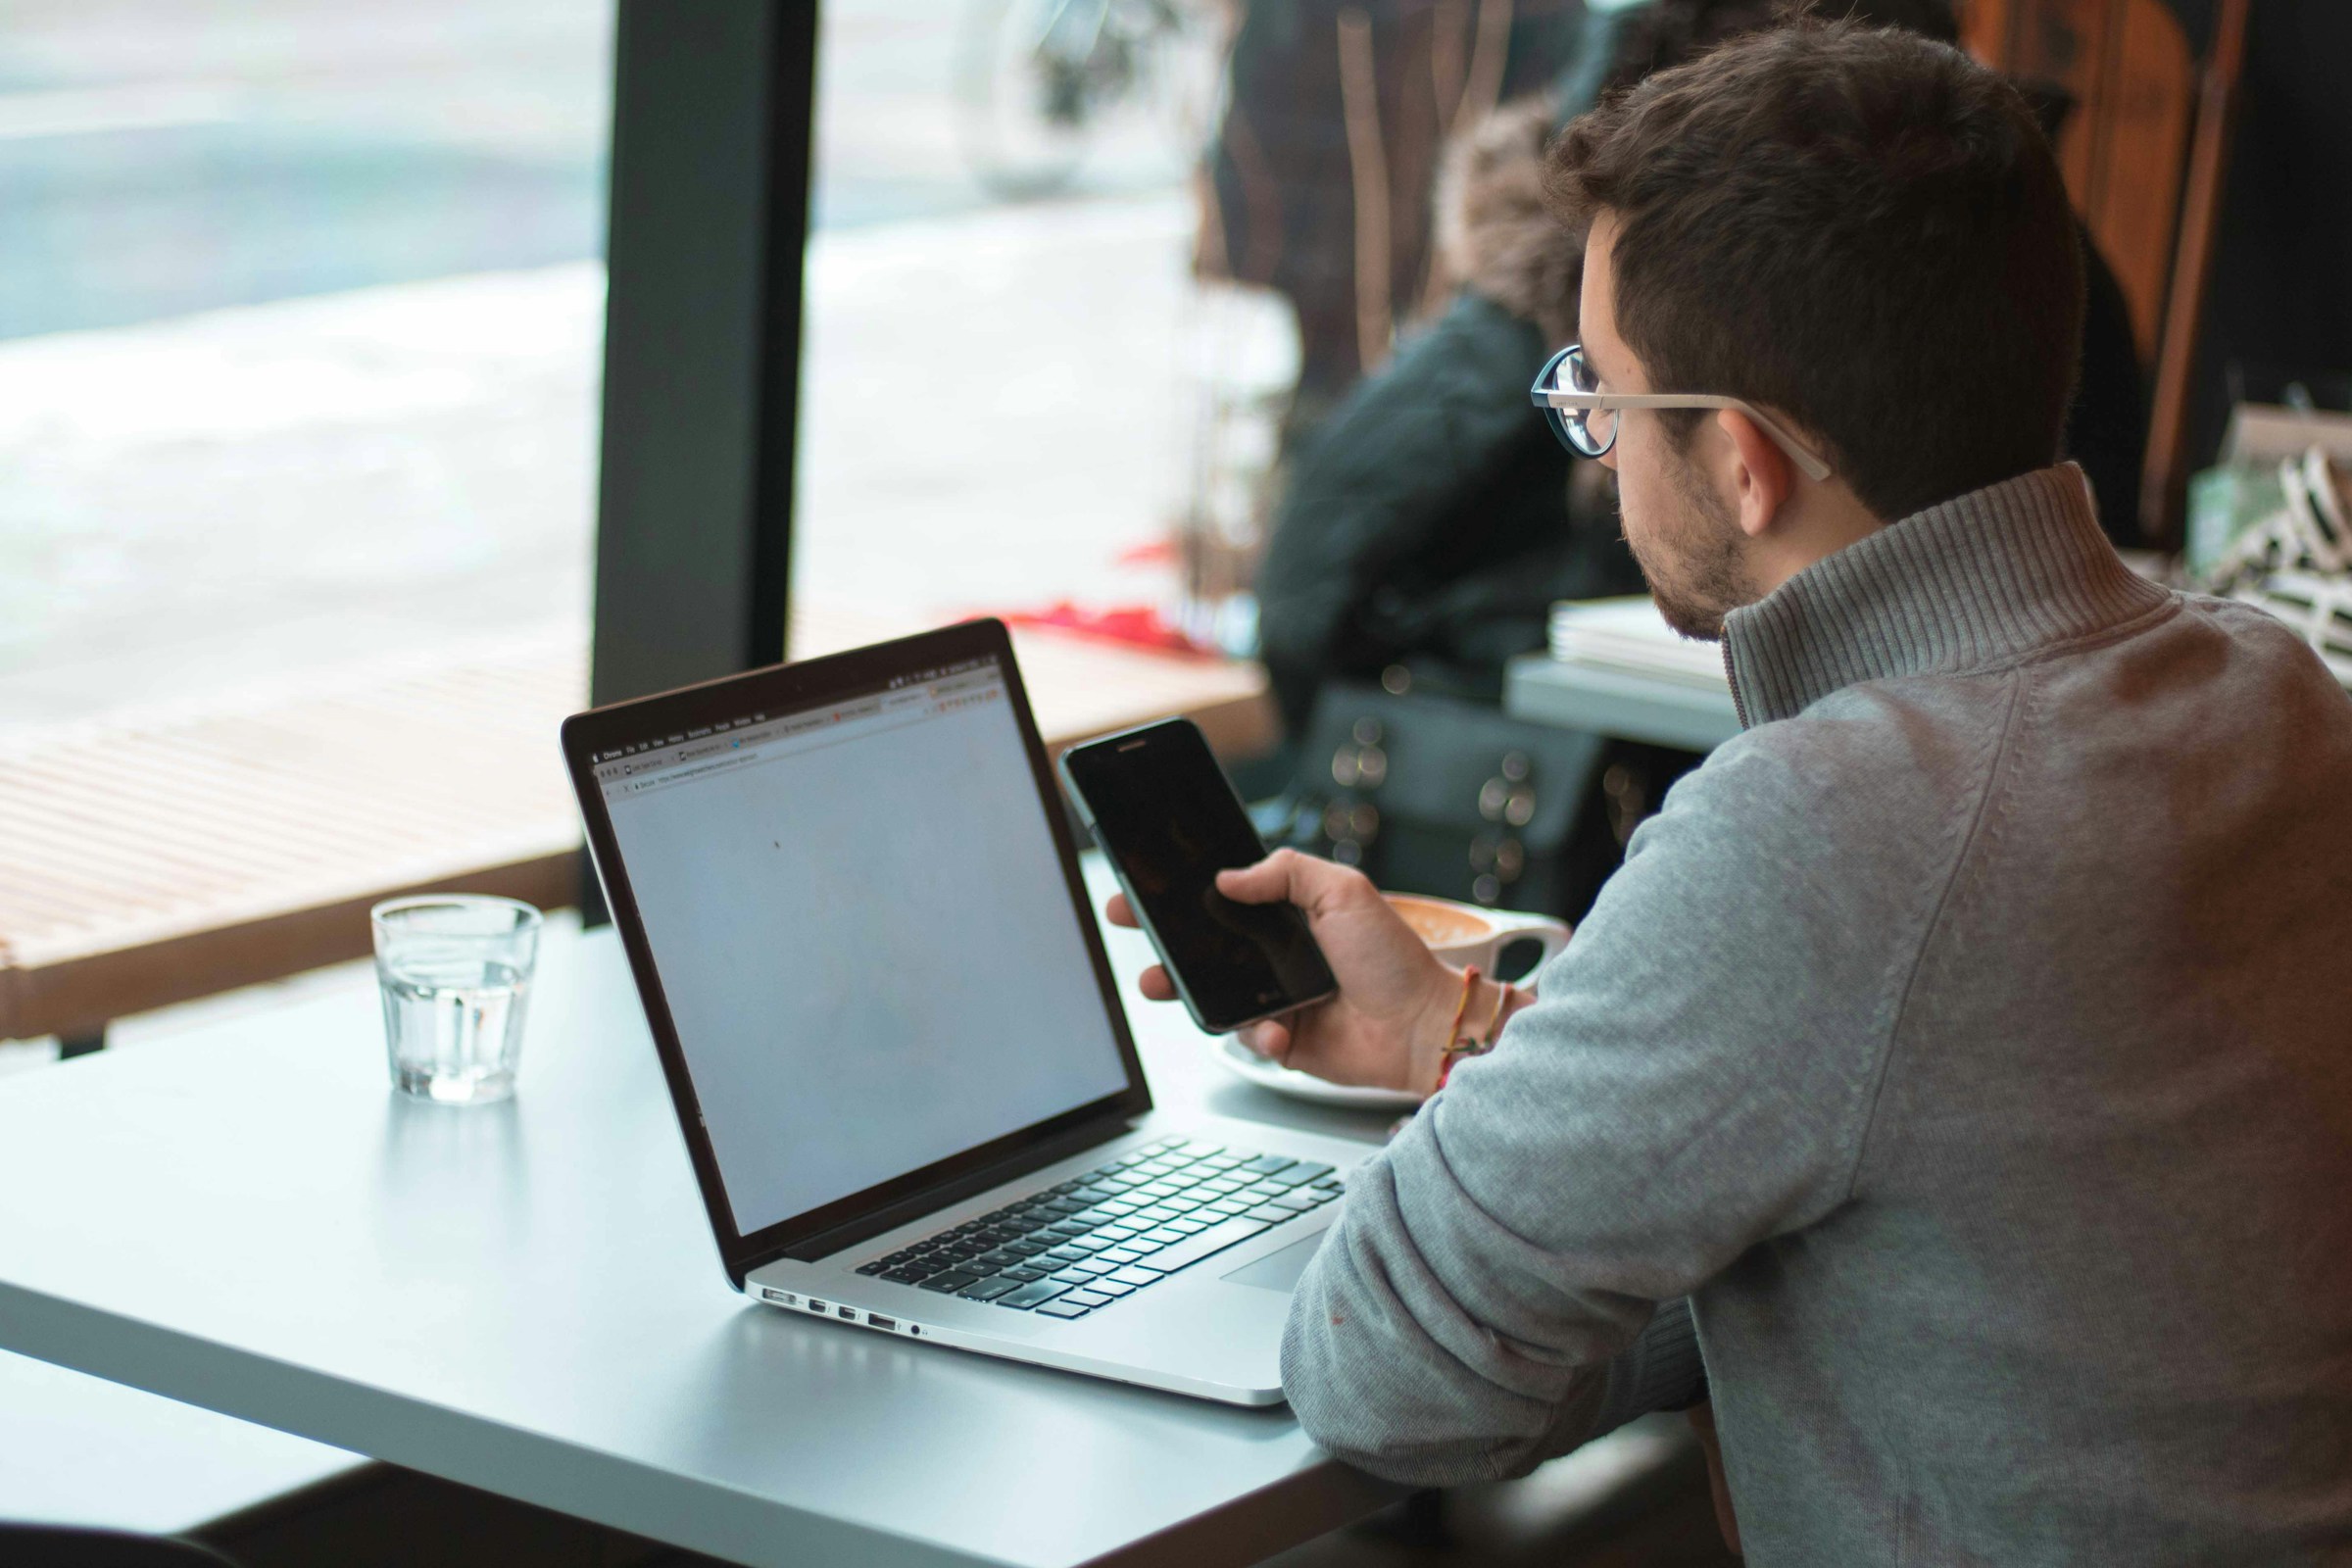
[(525, 1298), (1625, 703)]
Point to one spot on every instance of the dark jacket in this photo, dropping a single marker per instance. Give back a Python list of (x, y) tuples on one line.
[(1428, 520)]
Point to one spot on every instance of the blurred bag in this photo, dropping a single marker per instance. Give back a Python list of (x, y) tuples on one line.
[(1435, 796)]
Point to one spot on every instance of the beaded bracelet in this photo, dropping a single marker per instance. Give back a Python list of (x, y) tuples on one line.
[(1461, 1011), (1457, 1045)]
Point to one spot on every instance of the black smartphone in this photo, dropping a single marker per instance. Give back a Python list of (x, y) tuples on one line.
[(1168, 820)]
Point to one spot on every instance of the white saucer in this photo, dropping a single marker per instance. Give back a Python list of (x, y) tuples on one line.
[(1243, 1062)]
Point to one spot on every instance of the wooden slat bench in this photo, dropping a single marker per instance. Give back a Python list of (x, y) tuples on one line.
[(164, 855), (158, 857)]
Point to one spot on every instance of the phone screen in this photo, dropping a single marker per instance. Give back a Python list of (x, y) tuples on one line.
[(1164, 813)]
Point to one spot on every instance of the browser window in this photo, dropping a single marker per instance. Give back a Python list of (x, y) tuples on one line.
[(863, 933)]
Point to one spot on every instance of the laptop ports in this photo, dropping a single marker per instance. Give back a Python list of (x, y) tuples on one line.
[(876, 1321), (846, 1313)]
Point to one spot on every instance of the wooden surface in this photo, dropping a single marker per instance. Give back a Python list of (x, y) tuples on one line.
[(165, 856), (2162, 489), (2128, 65), (1081, 687), (2151, 199)]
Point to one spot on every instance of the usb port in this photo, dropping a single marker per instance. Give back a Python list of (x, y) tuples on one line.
[(875, 1321), (848, 1313)]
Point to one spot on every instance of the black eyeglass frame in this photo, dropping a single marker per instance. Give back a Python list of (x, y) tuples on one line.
[(1567, 412)]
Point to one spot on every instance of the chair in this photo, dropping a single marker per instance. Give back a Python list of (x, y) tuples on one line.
[(2144, 156)]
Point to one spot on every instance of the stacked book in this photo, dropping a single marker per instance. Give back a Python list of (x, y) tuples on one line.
[(2296, 563), (1629, 636)]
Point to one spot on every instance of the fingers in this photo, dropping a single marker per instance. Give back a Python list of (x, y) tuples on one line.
[(1155, 984), (1270, 1039), (1119, 912)]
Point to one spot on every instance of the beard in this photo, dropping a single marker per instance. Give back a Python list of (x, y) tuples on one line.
[(1693, 565)]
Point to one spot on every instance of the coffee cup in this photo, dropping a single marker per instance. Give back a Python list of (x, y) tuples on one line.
[(1464, 934)]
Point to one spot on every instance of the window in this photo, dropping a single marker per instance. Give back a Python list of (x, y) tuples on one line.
[(1013, 384), (301, 320), (1084, 272), (300, 314)]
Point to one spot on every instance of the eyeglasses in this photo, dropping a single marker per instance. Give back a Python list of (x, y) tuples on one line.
[(1585, 418)]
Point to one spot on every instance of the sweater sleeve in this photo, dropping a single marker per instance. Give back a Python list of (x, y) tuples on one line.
[(1694, 1080), (1661, 1370)]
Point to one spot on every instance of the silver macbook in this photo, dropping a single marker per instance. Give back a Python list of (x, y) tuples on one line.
[(850, 895)]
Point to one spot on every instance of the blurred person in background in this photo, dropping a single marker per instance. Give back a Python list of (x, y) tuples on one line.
[(1317, 178), (1429, 522)]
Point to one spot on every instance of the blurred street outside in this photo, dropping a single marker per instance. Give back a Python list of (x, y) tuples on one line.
[(300, 338)]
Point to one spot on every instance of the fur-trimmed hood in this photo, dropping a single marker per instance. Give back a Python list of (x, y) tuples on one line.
[(1495, 234)]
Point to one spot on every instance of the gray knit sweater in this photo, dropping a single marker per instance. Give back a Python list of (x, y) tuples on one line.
[(1970, 1042)]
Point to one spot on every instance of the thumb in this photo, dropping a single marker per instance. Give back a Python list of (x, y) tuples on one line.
[(1272, 880)]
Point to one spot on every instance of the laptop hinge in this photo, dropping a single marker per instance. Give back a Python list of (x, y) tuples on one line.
[(823, 1245)]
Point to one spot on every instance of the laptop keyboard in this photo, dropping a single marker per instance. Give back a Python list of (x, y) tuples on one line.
[(1120, 1228)]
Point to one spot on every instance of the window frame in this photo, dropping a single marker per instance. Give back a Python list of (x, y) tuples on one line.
[(706, 229)]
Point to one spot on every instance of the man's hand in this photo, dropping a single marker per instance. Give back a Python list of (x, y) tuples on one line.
[(1386, 1025)]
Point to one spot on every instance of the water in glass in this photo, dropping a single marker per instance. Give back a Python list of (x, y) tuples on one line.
[(450, 1026), (455, 977)]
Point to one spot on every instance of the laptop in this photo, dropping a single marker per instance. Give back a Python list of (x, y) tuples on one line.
[(851, 900)]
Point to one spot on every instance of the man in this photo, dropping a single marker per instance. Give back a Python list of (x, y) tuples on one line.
[(1970, 1041)]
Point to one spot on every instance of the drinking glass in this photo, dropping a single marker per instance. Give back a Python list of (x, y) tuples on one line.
[(455, 969)]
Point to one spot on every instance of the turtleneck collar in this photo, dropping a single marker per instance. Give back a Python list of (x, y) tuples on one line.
[(1975, 582)]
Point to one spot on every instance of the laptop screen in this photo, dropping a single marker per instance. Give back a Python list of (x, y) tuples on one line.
[(863, 933)]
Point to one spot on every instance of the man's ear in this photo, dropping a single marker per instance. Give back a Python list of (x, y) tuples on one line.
[(1762, 475)]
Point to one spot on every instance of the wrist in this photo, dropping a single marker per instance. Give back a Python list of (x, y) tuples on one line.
[(1464, 1017), (1430, 1035)]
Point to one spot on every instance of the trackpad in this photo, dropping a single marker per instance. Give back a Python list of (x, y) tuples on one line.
[(1279, 1271)]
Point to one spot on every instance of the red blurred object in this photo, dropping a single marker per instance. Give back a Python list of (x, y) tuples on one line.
[(1137, 625), (1150, 553)]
